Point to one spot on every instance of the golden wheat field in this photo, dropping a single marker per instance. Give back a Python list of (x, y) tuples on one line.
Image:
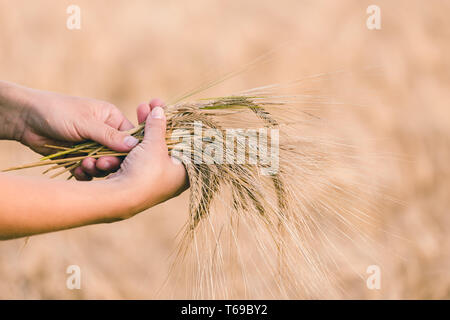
[(386, 92)]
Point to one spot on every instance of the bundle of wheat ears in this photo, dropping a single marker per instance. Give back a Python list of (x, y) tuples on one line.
[(293, 216)]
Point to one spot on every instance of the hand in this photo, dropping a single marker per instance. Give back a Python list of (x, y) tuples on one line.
[(148, 170), (36, 118)]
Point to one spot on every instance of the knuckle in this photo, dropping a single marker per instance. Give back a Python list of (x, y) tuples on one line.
[(156, 125), (109, 134), (107, 105)]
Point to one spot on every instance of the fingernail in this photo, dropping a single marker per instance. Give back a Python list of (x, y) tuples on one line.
[(157, 113), (130, 141)]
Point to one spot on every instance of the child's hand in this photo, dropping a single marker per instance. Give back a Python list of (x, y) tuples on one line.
[(148, 169)]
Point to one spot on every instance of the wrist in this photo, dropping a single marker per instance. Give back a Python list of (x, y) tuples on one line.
[(14, 108), (127, 198)]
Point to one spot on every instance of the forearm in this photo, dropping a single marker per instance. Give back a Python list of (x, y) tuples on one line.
[(13, 105), (36, 118), (31, 206)]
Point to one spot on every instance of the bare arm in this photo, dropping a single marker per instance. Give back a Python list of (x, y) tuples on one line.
[(30, 206), (36, 205)]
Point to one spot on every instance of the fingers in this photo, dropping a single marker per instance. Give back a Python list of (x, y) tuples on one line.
[(155, 102), (110, 135), (100, 167), (108, 164), (112, 138), (80, 175), (126, 125), (155, 129), (117, 120), (142, 112), (118, 140), (89, 167), (144, 109)]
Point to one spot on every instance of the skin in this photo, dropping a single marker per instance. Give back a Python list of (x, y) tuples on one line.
[(146, 177)]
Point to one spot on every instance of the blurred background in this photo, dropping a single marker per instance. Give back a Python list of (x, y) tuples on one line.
[(127, 52)]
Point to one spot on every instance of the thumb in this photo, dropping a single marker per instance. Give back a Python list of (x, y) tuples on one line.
[(155, 129), (114, 139)]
